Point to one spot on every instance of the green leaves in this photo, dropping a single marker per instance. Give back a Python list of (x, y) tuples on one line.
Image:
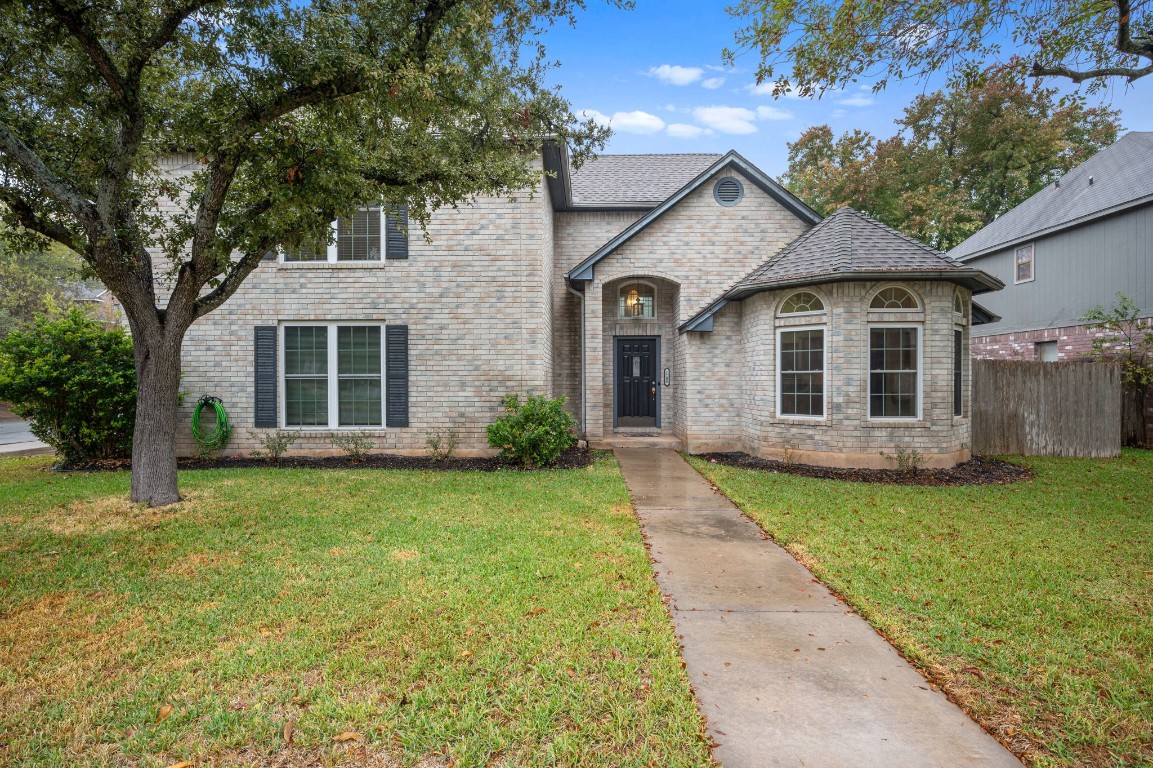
[(962, 158), (813, 47)]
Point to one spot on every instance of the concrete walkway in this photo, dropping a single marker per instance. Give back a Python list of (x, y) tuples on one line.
[(785, 673)]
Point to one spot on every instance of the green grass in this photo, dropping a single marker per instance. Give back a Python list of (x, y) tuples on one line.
[(446, 618), (1031, 603)]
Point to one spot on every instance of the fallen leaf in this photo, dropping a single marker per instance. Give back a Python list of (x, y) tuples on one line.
[(289, 727), (466, 654), (616, 652), (164, 712), (184, 764), (535, 612), (264, 632), (348, 736)]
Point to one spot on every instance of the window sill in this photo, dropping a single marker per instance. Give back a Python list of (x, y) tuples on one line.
[(895, 423), (805, 421), (330, 264)]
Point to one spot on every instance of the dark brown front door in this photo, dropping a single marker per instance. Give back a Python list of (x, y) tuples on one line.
[(637, 363)]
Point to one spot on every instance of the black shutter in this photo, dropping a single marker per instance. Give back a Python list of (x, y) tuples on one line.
[(396, 234), (269, 255), (264, 366), (396, 375)]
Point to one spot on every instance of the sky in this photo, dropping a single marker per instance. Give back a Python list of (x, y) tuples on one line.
[(655, 73)]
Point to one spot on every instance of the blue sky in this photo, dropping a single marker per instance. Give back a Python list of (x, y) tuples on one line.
[(656, 72)]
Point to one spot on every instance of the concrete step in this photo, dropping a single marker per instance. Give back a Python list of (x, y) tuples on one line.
[(636, 440)]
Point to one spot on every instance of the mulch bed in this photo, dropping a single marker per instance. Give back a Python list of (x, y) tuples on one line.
[(576, 458), (977, 471)]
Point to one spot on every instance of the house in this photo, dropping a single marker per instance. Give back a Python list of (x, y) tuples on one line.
[(687, 300), (1068, 248)]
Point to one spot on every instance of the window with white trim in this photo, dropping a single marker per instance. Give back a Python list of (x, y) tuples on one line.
[(802, 303), (801, 372), (894, 298), (894, 372), (1023, 264), (333, 375), (360, 237)]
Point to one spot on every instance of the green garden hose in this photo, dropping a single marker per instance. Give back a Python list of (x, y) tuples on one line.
[(217, 437)]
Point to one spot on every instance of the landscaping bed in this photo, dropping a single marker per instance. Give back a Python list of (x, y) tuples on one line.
[(574, 458), (1028, 603), (309, 617), (979, 470)]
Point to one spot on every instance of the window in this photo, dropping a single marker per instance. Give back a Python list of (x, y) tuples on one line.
[(1046, 351), (333, 375), (894, 383), (801, 374), (1023, 263), (801, 302), (894, 298), (958, 362), (958, 304), (637, 300), (362, 237)]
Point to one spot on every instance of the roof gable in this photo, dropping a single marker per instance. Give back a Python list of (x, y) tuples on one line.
[(1117, 177), (730, 161)]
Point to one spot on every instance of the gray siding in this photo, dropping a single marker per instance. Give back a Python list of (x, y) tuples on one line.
[(1075, 270)]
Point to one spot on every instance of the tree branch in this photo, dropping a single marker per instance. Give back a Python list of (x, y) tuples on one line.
[(232, 280), (26, 215), (73, 21), (47, 181), (1129, 73), (162, 36)]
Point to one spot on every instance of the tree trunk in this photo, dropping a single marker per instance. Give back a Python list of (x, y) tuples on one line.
[(154, 436)]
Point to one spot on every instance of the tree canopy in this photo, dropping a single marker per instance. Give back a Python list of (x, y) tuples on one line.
[(960, 158), (297, 113), (817, 45)]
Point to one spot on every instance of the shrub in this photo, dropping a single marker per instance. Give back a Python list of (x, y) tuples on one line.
[(355, 444), (534, 433), (275, 444), (908, 460), (441, 445), (75, 381)]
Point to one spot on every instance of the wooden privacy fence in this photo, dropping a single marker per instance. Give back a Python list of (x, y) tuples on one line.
[(1046, 409)]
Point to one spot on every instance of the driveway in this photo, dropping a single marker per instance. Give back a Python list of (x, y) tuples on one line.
[(17, 437)]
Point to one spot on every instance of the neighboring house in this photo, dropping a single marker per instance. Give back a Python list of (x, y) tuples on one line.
[(689, 299), (1068, 248), (94, 295)]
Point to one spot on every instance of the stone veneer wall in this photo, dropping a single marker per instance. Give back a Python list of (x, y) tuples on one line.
[(704, 248), (475, 300), (742, 350)]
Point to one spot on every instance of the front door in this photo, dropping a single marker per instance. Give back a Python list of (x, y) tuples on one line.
[(637, 363)]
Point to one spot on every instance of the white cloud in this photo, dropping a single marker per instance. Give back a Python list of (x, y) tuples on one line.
[(837, 113), (727, 119), (857, 100), (713, 83), (676, 75), (627, 122), (686, 131), (772, 113)]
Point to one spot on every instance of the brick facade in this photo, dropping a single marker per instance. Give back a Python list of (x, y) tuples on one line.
[(489, 312)]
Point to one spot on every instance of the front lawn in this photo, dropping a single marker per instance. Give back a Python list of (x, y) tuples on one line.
[(1031, 603), (306, 617)]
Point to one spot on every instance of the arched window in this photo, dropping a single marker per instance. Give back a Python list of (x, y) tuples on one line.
[(637, 300), (802, 302), (894, 298), (958, 303)]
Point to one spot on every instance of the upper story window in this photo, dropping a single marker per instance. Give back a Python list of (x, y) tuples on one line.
[(894, 297), (802, 303), (1023, 264), (638, 301), (958, 303), (370, 234)]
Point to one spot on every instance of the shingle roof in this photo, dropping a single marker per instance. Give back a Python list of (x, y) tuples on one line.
[(1121, 174), (849, 245), (635, 180), (849, 242)]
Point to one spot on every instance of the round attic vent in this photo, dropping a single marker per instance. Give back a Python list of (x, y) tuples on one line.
[(728, 191)]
